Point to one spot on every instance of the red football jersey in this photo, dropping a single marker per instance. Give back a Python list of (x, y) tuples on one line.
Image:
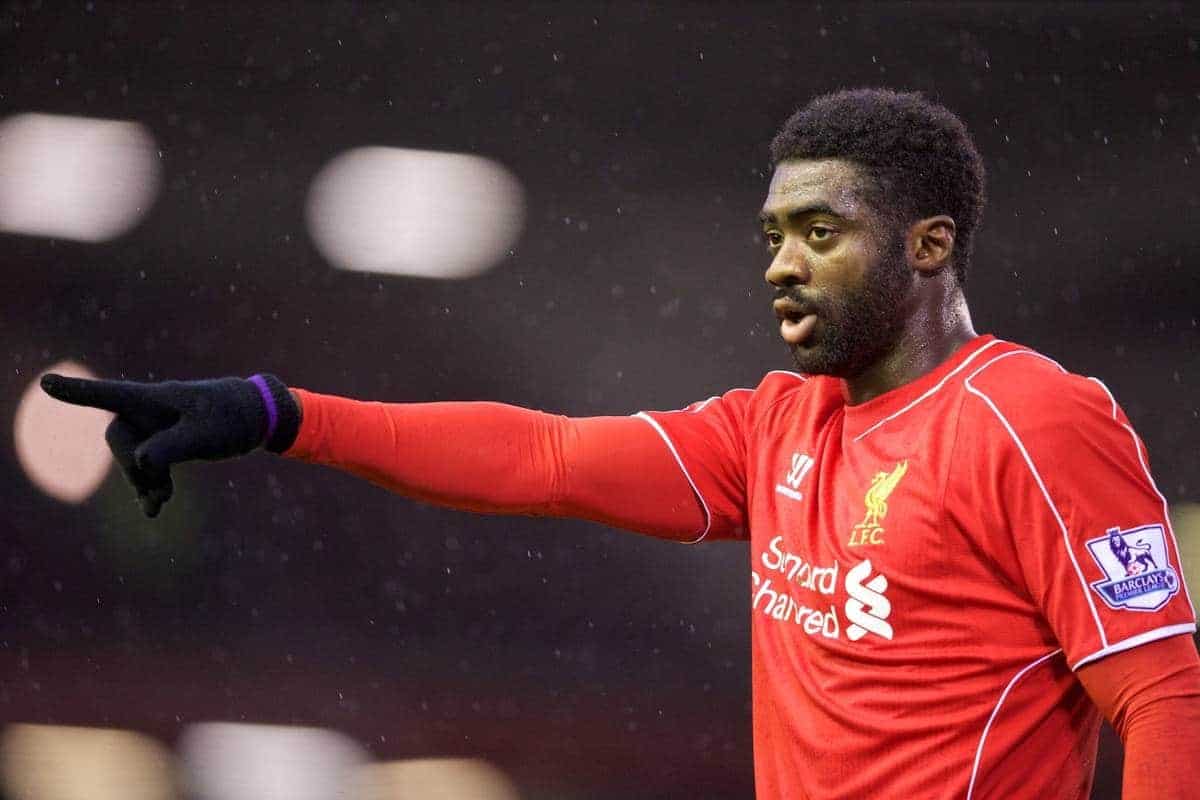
[(929, 567)]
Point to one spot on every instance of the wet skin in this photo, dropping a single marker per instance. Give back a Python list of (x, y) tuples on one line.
[(859, 295)]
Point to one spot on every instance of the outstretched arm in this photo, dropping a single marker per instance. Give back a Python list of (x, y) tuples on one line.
[(473, 456), (1151, 695), (498, 458)]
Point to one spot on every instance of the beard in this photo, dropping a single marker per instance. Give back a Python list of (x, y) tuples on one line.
[(858, 327)]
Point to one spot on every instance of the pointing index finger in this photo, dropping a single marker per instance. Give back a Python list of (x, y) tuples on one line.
[(115, 396)]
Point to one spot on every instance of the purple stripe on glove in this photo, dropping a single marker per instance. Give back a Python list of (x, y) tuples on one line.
[(269, 401)]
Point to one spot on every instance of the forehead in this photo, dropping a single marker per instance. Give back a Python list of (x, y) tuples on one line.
[(800, 183)]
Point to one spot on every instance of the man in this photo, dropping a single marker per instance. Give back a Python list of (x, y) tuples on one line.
[(945, 528)]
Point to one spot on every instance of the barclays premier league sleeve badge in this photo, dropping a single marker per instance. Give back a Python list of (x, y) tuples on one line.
[(1139, 575)]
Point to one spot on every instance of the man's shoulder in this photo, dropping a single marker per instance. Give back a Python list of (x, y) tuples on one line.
[(781, 385), (792, 399), (781, 381), (1028, 388)]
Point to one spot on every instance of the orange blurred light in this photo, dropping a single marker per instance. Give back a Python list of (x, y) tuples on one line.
[(53, 762), (433, 779)]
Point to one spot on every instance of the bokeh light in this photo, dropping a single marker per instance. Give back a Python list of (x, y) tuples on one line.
[(234, 761), (75, 178), (61, 447), (1185, 519), (434, 779), (53, 762), (415, 212)]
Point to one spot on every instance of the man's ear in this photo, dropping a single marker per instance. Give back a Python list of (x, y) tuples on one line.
[(929, 246)]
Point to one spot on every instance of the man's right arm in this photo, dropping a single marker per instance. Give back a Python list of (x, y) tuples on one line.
[(485, 457), (496, 458)]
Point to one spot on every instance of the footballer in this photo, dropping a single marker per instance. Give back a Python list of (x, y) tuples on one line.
[(960, 563)]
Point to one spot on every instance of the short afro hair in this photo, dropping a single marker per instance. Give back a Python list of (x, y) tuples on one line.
[(917, 153)]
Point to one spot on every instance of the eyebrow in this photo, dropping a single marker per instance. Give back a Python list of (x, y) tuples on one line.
[(797, 213)]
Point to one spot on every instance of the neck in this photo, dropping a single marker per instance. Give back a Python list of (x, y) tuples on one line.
[(939, 327)]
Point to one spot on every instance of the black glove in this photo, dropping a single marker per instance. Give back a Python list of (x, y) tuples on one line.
[(160, 424)]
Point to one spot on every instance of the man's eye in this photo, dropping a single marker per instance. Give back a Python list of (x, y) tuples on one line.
[(774, 238), (819, 233)]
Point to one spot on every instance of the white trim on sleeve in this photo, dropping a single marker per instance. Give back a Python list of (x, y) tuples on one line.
[(1083, 585), (1137, 448), (671, 446), (1134, 641)]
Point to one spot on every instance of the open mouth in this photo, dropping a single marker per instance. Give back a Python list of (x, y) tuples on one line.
[(796, 323)]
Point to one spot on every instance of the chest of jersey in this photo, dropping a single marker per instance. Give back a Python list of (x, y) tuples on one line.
[(848, 542), (917, 583)]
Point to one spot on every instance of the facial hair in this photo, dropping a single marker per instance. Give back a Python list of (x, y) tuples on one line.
[(858, 327)]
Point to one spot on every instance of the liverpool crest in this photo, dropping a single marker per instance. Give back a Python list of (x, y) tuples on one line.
[(870, 530)]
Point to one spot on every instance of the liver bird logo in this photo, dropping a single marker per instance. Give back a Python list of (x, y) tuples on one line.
[(870, 530)]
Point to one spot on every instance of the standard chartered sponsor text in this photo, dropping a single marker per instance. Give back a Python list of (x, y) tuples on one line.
[(785, 574), (783, 591)]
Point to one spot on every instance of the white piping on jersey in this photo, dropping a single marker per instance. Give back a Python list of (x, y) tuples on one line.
[(789, 373), (995, 711), (1038, 478), (703, 405), (1111, 399), (671, 446), (697, 408), (1146, 469), (933, 389), (1135, 641)]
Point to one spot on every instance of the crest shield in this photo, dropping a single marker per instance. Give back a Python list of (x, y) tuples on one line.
[(1137, 568)]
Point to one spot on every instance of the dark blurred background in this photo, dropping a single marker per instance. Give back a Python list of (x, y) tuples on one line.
[(585, 662)]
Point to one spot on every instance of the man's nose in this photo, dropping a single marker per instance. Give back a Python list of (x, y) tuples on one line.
[(788, 268)]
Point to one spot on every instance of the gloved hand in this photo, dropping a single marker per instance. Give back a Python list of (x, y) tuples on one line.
[(160, 424)]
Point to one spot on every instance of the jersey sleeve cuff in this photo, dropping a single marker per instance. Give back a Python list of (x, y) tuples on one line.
[(1135, 641), (307, 443)]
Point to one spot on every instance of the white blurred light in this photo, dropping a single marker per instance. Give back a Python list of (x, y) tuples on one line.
[(61, 447), (75, 177), (234, 761), (52, 762), (434, 779), (415, 212)]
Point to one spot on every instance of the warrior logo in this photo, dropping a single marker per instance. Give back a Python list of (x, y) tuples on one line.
[(802, 464), (868, 608), (870, 530), (1138, 570)]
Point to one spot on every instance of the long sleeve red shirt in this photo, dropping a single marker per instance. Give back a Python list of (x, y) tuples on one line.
[(641, 474)]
